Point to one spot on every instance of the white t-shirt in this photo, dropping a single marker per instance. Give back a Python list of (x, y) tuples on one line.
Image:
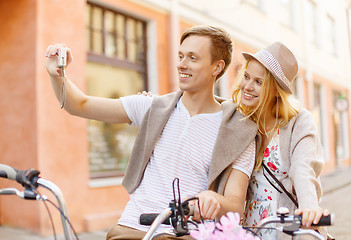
[(183, 150)]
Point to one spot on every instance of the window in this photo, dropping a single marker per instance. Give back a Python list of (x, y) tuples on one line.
[(285, 12), (255, 3), (298, 89), (311, 21), (115, 38), (116, 67), (330, 34)]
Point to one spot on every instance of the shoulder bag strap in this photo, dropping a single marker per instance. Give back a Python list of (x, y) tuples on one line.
[(280, 185)]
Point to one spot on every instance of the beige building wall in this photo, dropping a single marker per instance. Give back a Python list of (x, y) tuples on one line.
[(256, 24)]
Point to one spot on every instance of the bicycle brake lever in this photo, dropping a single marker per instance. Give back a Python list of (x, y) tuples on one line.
[(26, 194), (302, 232), (291, 229), (28, 178), (309, 232)]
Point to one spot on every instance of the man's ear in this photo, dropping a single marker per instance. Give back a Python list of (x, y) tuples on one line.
[(219, 67)]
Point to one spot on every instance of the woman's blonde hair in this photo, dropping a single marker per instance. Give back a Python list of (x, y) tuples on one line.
[(285, 106)]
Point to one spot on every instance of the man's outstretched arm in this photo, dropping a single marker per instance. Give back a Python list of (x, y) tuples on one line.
[(76, 102)]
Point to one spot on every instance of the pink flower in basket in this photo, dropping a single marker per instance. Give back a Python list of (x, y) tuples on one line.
[(205, 231), (227, 229)]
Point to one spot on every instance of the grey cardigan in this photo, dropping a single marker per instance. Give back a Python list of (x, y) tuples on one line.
[(235, 134), (302, 153)]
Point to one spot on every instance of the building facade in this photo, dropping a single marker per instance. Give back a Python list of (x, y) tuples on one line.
[(121, 47)]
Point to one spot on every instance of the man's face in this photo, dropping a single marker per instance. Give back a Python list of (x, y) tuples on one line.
[(196, 73)]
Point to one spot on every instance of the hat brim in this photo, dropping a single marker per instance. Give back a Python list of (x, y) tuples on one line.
[(281, 83)]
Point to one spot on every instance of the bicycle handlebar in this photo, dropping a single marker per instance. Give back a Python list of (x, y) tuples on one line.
[(27, 178), (26, 194), (8, 172), (283, 217), (324, 221), (148, 218), (160, 218), (30, 179), (295, 227)]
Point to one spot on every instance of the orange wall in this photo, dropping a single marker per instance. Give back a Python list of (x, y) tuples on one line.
[(62, 138), (18, 122), (36, 133)]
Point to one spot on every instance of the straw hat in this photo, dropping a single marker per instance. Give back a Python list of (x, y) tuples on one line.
[(280, 61)]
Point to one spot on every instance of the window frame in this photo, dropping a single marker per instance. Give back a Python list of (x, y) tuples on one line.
[(139, 66), (114, 61)]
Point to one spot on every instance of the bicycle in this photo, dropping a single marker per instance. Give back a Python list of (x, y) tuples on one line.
[(175, 215), (30, 180), (168, 215)]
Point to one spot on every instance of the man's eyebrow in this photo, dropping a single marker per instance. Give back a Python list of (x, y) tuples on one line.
[(188, 52), (194, 53)]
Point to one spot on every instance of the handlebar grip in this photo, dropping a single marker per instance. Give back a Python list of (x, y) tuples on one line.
[(325, 220), (148, 218), (8, 172), (25, 178)]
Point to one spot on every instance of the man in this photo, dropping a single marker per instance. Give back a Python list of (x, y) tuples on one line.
[(177, 135)]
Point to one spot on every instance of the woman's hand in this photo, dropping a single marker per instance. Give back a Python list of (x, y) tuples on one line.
[(310, 216), (144, 93)]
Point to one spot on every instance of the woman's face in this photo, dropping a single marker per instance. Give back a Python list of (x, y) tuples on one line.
[(251, 84)]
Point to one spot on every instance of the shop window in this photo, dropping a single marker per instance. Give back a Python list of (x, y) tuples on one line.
[(116, 67)]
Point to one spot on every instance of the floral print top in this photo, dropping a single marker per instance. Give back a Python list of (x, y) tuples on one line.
[(262, 196)]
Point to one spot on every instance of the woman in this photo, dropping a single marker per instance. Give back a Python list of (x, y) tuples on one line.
[(290, 148)]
